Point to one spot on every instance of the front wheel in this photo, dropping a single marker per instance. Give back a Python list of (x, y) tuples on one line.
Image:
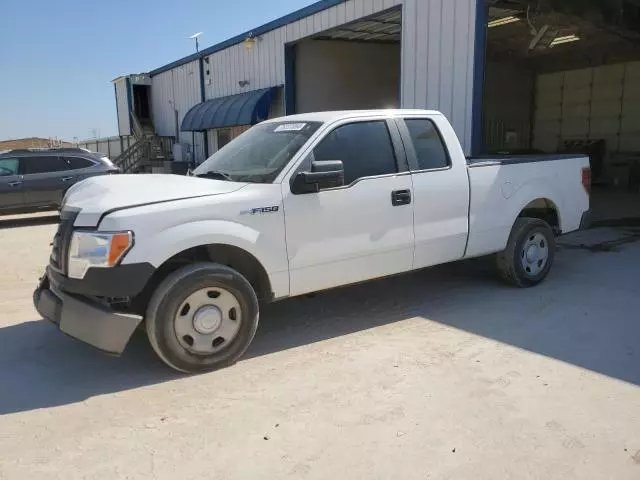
[(529, 255), (202, 317)]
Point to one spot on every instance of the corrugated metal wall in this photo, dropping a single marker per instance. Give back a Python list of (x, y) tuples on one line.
[(122, 103), (177, 89), (438, 44), (263, 65), (437, 62)]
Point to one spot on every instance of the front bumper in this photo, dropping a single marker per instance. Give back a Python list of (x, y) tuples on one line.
[(83, 318)]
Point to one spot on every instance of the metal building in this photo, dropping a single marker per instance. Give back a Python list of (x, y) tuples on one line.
[(334, 54), (511, 75)]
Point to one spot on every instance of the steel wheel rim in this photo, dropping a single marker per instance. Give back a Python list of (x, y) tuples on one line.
[(208, 320), (534, 254)]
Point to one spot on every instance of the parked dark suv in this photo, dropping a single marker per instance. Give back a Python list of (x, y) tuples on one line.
[(36, 179)]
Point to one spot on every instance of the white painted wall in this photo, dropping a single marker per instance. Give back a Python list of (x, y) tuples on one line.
[(438, 40), (263, 65), (177, 89), (592, 103), (337, 75), (122, 102)]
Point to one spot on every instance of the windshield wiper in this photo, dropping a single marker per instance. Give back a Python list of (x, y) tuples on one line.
[(216, 174)]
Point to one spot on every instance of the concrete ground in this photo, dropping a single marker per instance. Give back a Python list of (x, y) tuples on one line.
[(434, 375)]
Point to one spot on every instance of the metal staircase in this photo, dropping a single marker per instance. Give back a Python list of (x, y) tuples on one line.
[(149, 149)]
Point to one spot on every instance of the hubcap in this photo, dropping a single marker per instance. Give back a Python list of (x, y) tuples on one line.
[(535, 254), (208, 320)]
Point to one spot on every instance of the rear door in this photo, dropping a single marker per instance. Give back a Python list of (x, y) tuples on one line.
[(441, 192), (10, 184), (45, 179)]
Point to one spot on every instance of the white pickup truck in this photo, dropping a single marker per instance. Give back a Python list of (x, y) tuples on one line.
[(294, 205)]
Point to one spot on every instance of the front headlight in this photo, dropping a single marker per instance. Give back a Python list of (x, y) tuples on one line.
[(97, 249)]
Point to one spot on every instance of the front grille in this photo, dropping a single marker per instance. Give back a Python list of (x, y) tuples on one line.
[(62, 241)]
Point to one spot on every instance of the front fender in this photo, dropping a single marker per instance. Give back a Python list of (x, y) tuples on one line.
[(161, 246)]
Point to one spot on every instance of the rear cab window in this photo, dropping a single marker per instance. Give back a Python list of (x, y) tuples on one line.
[(430, 150)]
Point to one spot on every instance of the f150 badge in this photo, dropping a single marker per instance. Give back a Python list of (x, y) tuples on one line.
[(255, 211)]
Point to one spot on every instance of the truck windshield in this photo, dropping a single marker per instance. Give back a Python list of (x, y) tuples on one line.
[(259, 154)]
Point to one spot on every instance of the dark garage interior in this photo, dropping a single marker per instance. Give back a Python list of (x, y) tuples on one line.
[(564, 76)]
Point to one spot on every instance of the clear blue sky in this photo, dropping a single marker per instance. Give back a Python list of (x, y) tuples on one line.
[(58, 57)]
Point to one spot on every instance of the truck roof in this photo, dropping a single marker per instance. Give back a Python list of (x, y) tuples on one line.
[(342, 114)]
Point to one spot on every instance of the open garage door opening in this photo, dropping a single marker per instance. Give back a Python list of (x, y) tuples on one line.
[(354, 66), (564, 76)]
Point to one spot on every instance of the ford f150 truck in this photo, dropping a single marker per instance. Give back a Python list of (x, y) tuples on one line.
[(293, 206)]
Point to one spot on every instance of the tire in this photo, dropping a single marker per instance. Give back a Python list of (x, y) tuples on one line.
[(178, 307), (515, 266)]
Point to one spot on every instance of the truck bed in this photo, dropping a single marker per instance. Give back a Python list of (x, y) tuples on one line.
[(503, 186), (489, 160)]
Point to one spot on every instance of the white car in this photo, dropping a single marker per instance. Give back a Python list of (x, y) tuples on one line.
[(295, 205)]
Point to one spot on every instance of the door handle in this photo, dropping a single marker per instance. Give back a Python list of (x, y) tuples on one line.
[(15, 184), (400, 197), (66, 179)]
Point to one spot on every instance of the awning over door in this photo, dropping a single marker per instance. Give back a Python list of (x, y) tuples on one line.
[(242, 109)]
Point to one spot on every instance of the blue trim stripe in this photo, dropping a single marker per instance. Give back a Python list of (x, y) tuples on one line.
[(480, 54), (290, 79), (280, 22), (205, 136)]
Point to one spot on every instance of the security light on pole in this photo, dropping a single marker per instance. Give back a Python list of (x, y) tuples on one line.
[(195, 37)]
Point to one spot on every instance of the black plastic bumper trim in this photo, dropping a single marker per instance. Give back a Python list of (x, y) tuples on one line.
[(126, 280)]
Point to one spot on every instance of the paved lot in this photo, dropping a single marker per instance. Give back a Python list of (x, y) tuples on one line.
[(439, 374)]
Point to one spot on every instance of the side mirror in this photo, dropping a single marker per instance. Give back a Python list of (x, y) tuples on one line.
[(324, 174)]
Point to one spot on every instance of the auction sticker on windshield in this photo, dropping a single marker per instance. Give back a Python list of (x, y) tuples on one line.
[(290, 127)]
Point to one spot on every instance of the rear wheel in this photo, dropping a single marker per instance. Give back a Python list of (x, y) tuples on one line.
[(202, 317), (529, 255)]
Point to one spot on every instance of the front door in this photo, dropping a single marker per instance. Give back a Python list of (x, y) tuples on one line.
[(10, 184), (360, 231), (45, 180)]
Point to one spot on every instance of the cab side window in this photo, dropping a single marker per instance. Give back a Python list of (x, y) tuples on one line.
[(428, 144), (365, 149)]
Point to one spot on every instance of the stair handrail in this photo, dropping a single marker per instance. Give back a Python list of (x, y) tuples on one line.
[(136, 126)]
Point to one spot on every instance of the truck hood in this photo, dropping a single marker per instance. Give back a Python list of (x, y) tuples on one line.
[(97, 195)]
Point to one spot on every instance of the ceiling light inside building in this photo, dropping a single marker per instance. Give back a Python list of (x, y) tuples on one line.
[(565, 39), (503, 21)]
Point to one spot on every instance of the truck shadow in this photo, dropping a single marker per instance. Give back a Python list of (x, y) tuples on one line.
[(40, 368), (571, 318), (585, 314)]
